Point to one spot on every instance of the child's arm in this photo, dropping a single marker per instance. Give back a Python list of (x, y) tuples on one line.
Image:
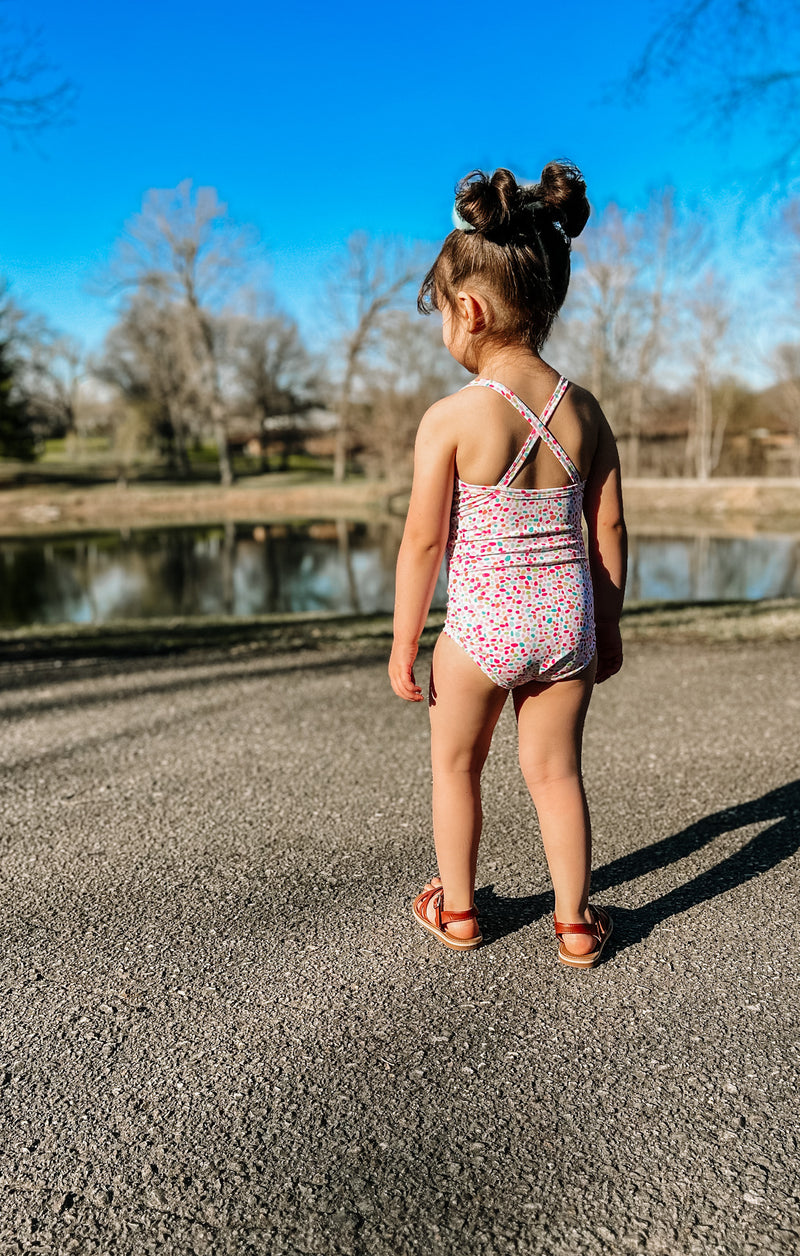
[(608, 549), (423, 544)]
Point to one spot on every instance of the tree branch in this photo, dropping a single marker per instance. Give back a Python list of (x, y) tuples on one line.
[(28, 104)]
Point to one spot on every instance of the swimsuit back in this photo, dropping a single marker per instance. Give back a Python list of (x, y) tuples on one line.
[(539, 429), (519, 588)]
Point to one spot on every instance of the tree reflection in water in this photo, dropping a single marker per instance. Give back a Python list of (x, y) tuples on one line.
[(247, 569)]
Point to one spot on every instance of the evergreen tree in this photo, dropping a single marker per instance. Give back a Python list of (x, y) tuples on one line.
[(16, 434)]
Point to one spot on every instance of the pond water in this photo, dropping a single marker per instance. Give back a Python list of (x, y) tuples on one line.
[(324, 566)]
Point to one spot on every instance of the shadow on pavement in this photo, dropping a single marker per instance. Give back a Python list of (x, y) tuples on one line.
[(764, 851), (198, 674), (502, 916)]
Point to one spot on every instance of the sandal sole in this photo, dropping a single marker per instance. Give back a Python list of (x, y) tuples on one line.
[(593, 958)]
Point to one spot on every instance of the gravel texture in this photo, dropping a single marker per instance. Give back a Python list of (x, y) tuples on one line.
[(222, 1032)]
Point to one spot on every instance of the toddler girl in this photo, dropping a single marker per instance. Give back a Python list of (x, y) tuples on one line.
[(503, 471)]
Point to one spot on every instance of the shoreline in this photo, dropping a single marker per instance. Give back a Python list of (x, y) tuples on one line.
[(715, 506), (719, 623)]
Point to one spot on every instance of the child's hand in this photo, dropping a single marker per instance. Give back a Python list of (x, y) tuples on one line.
[(401, 672), (609, 650)]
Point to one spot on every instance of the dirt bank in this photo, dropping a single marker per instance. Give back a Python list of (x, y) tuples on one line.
[(43, 508), (739, 506)]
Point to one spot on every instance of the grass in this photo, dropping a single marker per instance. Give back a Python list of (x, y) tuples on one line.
[(93, 461)]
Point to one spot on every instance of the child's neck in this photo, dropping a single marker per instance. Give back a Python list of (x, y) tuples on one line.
[(495, 360)]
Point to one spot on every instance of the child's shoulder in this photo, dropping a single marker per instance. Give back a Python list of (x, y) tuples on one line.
[(447, 414), (584, 402), (588, 411)]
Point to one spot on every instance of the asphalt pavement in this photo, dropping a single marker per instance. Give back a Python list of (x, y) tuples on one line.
[(221, 1031)]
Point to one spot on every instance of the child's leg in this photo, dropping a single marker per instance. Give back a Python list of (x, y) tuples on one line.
[(550, 720), (464, 708)]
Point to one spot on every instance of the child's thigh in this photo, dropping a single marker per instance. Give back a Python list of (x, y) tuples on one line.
[(464, 708), (550, 720)]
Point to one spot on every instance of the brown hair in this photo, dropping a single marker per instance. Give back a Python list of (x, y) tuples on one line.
[(516, 244)]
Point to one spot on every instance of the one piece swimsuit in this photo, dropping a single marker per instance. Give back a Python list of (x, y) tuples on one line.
[(519, 589)]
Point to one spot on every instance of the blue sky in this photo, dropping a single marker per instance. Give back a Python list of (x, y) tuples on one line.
[(317, 121)]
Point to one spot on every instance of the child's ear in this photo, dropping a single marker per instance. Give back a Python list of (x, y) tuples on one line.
[(473, 312)]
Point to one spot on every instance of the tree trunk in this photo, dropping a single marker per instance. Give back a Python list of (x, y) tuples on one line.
[(342, 446), (181, 458), (221, 441), (340, 453), (635, 417), (689, 461), (703, 429), (209, 385)]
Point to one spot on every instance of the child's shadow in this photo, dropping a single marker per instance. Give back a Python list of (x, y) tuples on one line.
[(768, 848)]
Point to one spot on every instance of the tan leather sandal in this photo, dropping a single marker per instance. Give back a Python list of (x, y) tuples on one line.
[(600, 930), (441, 919)]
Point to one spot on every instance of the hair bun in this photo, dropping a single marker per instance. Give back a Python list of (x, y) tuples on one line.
[(487, 203), (496, 204), (562, 191)]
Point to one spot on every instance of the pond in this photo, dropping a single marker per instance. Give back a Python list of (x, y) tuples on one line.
[(324, 566)]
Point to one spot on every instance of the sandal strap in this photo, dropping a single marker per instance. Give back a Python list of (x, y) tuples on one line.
[(448, 916), (595, 930), (473, 911), (442, 917)]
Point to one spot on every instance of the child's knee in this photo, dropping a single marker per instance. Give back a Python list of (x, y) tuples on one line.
[(467, 762), (543, 773)]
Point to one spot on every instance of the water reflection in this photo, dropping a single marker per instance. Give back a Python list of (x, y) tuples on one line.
[(233, 569), (713, 569)]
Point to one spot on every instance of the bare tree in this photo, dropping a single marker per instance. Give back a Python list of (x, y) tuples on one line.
[(623, 314), (33, 95), (787, 399), (150, 358), (663, 262), (410, 369), (55, 370), (184, 252), (736, 59), (371, 279), (709, 316), (786, 357), (273, 376), (601, 313)]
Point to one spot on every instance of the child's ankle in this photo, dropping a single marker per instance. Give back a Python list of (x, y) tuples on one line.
[(573, 916)]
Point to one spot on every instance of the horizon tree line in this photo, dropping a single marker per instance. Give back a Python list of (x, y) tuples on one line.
[(200, 344)]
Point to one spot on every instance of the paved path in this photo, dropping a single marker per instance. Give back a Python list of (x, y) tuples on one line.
[(222, 1033)]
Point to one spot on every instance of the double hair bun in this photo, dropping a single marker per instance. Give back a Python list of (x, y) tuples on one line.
[(500, 209)]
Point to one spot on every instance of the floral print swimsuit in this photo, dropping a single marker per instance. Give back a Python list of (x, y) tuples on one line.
[(519, 589)]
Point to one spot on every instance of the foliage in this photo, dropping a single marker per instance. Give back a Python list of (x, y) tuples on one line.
[(17, 438), (17, 431)]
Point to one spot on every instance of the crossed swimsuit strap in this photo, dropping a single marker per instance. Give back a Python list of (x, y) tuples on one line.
[(539, 429)]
